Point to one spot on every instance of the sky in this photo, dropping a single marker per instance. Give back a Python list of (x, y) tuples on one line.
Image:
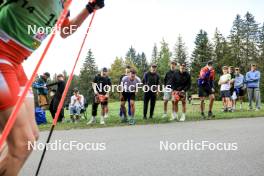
[(140, 23)]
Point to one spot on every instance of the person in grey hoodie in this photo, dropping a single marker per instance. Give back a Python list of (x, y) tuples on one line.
[(239, 87), (252, 81)]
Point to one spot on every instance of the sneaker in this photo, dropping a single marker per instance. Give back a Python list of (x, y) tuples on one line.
[(132, 121), (124, 120), (164, 115), (182, 119), (250, 109), (102, 122), (106, 116), (203, 116), (174, 116), (92, 121), (240, 107), (210, 115), (225, 110), (257, 109)]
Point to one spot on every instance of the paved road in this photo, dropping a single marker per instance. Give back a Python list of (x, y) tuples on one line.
[(135, 151)]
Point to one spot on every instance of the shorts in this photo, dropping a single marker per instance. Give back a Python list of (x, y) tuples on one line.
[(75, 110), (205, 91), (225, 94), (97, 101), (128, 96), (168, 95), (240, 92), (179, 96), (12, 81)]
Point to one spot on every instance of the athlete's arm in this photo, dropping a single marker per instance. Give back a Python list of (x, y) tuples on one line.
[(70, 26)]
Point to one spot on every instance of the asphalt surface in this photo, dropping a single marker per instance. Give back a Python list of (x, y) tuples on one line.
[(135, 151)]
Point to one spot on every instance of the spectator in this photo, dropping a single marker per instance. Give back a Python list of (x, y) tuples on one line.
[(57, 97), (123, 112), (181, 83), (150, 79), (231, 71), (41, 86), (76, 105), (168, 92), (225, 83), (239, 87), (252, 82), (130, 85), (101, 96), (206, 88)]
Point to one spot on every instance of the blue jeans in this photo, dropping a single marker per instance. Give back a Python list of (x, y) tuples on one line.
[(75, 110)]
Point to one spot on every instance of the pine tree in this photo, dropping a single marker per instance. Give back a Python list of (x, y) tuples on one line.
[(180, 51), (202, 53), (144, 62), (131, 55), (88, 72), (251, 31), (261, 45), (222, 52), (155, 55), (236, 41), (164, 58)]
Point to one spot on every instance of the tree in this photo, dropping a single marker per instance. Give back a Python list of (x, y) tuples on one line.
[(222, 52), (202, 53), (261, 45), (180, 51), (164, 58), (131, 55), (236, 41), (117, 69), (251, 31), (155, 55), (88, 71)]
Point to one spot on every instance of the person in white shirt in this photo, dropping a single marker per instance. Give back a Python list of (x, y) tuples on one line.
[(225, 83), (76, 105)]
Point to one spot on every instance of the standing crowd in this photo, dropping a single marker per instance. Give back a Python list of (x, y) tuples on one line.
[(177, 84)]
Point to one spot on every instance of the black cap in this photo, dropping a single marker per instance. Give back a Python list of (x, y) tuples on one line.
[(210, 62), (47, 74), (182, 63), (104, 69)]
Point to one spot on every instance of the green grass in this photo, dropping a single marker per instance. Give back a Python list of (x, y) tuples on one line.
[(113, 119)]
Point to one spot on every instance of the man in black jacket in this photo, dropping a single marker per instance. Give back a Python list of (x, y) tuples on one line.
[(181, 83), (101, 85), (151, 81), (57, 97)]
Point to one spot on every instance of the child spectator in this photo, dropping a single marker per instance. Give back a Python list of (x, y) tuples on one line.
[(225, 84)]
